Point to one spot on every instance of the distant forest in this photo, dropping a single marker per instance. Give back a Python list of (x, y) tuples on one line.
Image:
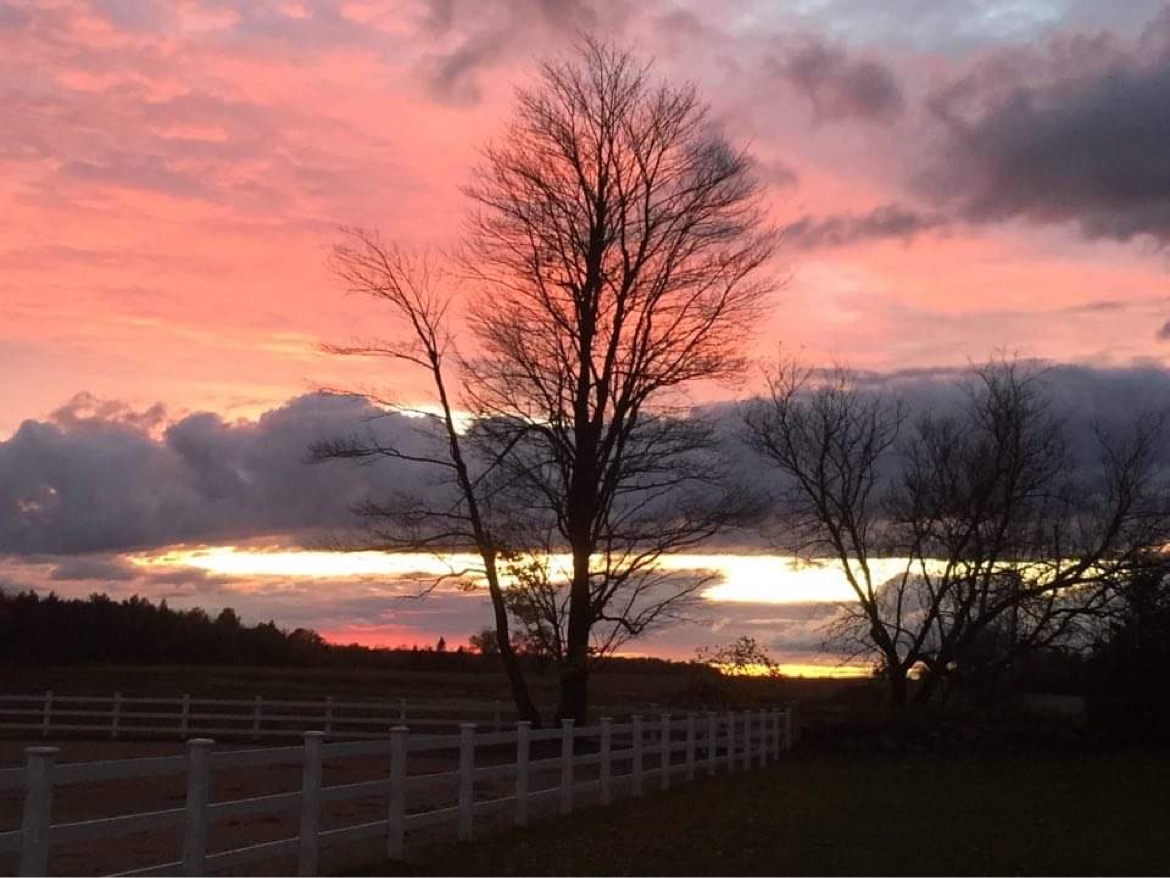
[(98, 630)]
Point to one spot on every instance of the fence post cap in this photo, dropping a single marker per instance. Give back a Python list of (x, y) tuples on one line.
[(524, 723), (314, 734), (467, 727), (568, 722), (200, 742), (399, 729), (42, 751)]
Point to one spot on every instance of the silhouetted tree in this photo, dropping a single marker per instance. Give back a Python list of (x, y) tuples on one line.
[(1004, 541), (613, 259)]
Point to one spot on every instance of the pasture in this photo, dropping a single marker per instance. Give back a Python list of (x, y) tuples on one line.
[(1069, 813)]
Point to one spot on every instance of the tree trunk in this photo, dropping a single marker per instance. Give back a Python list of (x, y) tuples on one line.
[(525, 708), (574, 701), (898, 686)]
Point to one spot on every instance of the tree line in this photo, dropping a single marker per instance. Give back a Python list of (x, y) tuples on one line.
[(49, 630)]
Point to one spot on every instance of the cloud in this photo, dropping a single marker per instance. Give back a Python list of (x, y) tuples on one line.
[(490, 33), (100, 567), (842, 230), (839, 85), (97, 476), (1076, 132)]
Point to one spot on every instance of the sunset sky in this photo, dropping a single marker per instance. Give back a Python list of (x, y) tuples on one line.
[(952, 177)]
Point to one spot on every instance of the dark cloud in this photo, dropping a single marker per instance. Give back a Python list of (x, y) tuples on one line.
[(493, 32), (1163, 332), (97, 476), (99, 567), (1077, 132), (838, 85), (840, 230)]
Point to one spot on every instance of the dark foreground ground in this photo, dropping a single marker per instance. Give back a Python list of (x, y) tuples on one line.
[(1020, 814)]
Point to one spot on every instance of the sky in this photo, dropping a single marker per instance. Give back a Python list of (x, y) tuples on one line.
[(952, 178)]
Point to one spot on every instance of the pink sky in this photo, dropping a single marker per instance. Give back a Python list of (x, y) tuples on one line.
[(173, 175)]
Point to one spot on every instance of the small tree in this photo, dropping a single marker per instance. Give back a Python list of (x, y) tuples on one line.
[(1007, 541), (744, 656)]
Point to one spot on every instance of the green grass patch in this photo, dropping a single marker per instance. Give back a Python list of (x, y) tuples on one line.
[(1019, 814)]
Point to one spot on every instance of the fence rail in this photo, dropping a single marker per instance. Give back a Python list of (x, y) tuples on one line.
[(119, 716), (627, 756)]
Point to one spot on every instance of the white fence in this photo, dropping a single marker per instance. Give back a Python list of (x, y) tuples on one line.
[(182, 717), (617, 754)]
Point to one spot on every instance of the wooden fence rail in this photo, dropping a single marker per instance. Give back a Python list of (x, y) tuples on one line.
[(730, 741)]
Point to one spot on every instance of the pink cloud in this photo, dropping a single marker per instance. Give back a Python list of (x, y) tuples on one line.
[(173, 173)]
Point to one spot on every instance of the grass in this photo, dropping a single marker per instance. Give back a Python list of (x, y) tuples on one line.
[(1019, 814)]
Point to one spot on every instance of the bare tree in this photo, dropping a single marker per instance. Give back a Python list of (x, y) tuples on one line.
[(1005, 540), (617, 253), (413, 290), (615, 257)]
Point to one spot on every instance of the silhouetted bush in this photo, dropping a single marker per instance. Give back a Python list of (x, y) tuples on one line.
[(1128, 698)]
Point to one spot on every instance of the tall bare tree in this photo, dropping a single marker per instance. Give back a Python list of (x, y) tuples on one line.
[(615, 256), (1005, 540)]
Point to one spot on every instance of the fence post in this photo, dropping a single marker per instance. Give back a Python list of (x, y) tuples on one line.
[(606, 759), (763, 745), (198, 787), (257, 712), (731, 740), (185, 716), (712, 741), (47, 713), (690, 746), (523, 728), (466, 778), (38, 810), (664, 762), (329, 715), (747, 740), (566, 766), (310, 804), (765, 736), (636, 769), (115, 714), (396, 817)]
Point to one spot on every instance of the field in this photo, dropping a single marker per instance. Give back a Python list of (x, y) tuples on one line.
[(1025, 814), (623, 691)]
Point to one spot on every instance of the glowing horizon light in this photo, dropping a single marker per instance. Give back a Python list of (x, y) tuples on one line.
[(808, 670), (316, 564), (759, 579)]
